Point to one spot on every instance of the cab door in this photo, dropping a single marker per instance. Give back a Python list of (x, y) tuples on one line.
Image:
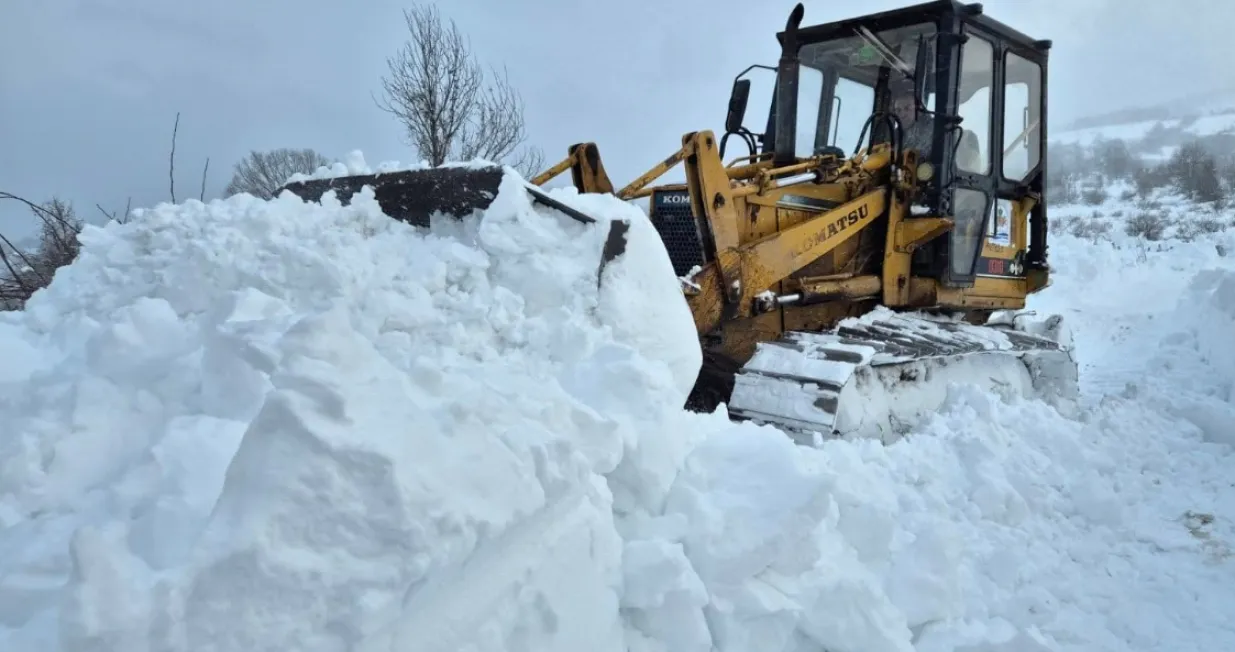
[(975, 178), (1021, 128), (1017, 133)]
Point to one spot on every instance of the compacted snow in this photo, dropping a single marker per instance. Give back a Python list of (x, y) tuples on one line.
[(252, 425)]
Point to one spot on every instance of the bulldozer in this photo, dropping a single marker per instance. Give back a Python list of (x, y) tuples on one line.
[(836, 292)]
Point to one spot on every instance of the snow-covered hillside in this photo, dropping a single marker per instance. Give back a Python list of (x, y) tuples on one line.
[(258, 426), (1198, 114), (1200, 126), (1109, 207), (1158, 138), (1153, 135), (1172, 179)]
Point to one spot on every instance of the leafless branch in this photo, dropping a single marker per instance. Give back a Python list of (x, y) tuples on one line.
[(44, 214), (15, 278), (202, 196), (530, 162), (261, 174), (171, 167), (19, 253), (119, 218), (54, 222), (57, 246), (448, 106)]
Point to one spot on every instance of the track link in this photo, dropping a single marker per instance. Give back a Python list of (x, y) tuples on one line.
[(873, 375)]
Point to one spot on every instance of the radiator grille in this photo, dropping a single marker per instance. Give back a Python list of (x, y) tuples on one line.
[(670, 214)]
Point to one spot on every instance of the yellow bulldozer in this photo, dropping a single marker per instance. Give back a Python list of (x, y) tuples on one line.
[(837, 293)]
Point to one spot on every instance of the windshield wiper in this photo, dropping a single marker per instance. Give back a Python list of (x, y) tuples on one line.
[(885, 51)]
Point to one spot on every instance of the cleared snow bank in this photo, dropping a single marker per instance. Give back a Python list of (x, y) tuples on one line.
[(1158, 323), (1209, 402), (259, 425), (269, 426)]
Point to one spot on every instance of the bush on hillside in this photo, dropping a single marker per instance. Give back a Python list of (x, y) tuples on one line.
[(1195, 173), (1147, 225), (1089, 228), (1062, 191), (1149, 178), (1067, 166), (1189, 229), (1226, 172), (1094, 195), (1113, 159)]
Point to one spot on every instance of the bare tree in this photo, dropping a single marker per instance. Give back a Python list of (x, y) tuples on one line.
[(22, 273), (171, 160), (450, 108), (205, 169), (121, 218), (261, 174), (171, 168), (530, 162)]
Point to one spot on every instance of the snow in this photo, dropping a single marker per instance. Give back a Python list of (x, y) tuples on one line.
[(1197, 126), (251, 425), (355, 164), (1129, 131)]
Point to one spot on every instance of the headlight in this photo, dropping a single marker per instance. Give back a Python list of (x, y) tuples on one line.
[(926, 172)]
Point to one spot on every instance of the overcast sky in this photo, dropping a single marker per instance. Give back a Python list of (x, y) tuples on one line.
[(89, 89)]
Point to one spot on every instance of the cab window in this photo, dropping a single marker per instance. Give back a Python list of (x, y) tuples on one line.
[(810, 96), (973, 154), (837, 82), (852, 104), (1022, 102)]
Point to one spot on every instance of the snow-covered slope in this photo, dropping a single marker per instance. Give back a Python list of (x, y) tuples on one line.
[(1155, 140), (276, 426), (1197, 127), (1114, 212)]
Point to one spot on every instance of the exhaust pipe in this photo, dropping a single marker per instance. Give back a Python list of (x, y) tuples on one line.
[(786, 124)]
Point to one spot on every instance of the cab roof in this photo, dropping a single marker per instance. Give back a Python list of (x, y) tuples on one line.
[(924, 12)]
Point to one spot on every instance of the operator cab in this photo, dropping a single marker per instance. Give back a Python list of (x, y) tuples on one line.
[(967, 93)]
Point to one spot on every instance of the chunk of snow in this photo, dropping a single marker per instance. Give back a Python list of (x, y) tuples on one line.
[(355, 164), (260, 425)]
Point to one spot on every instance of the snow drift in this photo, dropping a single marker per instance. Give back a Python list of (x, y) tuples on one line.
[(251, 425), (316, 417)]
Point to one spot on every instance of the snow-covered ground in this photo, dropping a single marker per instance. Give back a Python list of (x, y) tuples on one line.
[(1164, 215), (275, 426)]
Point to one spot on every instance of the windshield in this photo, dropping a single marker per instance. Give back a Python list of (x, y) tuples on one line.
[(838, 81)]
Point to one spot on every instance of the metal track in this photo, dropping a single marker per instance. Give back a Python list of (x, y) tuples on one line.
[(875, 373)]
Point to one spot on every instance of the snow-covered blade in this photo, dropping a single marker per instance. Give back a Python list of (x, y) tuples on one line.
[(875, 376), (416, 196)]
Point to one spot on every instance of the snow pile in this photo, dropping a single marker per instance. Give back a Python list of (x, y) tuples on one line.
[(1212, 292), (1206, 397), (262, 425), (354, 164), (259, 425), (1159, 323)]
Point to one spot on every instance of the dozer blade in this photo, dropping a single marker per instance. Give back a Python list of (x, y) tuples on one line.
[(876, 375), (415, 196)]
